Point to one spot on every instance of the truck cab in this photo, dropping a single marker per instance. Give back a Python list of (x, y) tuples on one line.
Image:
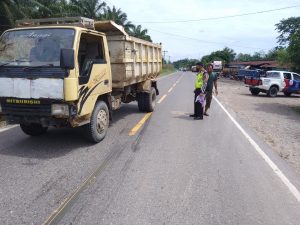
[(59, 72)]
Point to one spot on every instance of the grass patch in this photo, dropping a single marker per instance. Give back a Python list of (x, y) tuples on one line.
[(167, 69)]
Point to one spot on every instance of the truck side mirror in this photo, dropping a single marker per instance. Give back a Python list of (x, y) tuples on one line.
[(67, 58)]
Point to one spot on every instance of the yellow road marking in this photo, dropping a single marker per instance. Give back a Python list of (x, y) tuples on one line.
[(139, 124), (161, 99), (147, 116), (170, 89)]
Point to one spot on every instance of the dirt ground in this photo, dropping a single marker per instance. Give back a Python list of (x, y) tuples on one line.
[(276, 120)]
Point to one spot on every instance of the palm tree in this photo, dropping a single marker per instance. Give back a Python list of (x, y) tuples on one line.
[(117, 16), (138, 32), (87, 8), (10, 10)]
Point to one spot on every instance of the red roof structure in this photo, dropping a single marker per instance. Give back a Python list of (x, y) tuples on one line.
[(266, 64)]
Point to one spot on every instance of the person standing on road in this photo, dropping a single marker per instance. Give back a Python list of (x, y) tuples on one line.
[(200, 86), (212, 82)]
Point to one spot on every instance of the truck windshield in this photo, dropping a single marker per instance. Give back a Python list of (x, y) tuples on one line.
[(34, 47)]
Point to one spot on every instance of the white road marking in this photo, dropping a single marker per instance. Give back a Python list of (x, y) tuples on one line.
[(273, 166), (170, 89), (8, 128)]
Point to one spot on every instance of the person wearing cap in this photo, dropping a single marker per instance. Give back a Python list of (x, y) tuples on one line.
[(211, 83), (200, 86)]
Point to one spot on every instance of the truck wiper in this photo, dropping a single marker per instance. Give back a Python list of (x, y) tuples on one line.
[(12, 61), (35, 67)]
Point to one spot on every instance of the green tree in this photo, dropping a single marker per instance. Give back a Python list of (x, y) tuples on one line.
[(87, 8), (286, 28), (11, 10), (117, 16), (185, 63), (243, 57), (137, 31), (294, 51), (283, 57), (226, 55)]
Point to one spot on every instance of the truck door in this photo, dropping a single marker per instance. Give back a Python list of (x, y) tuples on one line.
[(94, 71)]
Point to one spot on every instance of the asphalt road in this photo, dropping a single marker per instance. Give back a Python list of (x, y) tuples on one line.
[(174, 170)]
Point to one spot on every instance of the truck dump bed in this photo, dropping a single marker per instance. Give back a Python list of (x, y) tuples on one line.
[(133, 60)]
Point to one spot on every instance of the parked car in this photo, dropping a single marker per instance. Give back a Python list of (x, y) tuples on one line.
[(274, 82), (292, 83)]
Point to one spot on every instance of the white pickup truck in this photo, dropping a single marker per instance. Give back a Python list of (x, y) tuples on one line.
[(271, 84)]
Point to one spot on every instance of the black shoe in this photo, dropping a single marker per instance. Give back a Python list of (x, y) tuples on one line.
[(193, 115), (198, 118)]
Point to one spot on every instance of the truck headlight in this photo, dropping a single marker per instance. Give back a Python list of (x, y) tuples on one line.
[(59, 110)]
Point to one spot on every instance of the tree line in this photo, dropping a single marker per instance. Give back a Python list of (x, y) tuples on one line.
[(12, 10), (287, 53)]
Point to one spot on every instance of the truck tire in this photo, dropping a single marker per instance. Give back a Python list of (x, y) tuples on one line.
[(287, 94), (272, 92), (96, 130), (140, 101), (33, 129), (254, 91), (147, 101)]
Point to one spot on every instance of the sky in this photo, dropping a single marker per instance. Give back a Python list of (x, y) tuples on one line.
[(246, 34)]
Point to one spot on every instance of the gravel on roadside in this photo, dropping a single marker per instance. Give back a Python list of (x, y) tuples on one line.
[(276, 120)]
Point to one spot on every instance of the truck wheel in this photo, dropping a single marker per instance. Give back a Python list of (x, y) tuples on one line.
[(97, 128), (287, 94), (147, 101), (254, 91), (272, 91), (33, 129), (140, 100)]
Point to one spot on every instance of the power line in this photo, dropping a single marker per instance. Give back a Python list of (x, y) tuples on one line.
[(205, 41), (221, 17)]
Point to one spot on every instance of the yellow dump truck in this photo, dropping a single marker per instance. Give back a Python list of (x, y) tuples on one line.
[(74, 72)]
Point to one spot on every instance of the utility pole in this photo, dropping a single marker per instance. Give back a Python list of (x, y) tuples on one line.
[(169, 59), (164, 54)]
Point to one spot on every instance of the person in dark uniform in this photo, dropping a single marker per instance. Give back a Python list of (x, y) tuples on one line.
[(211, 83), (200, 86)]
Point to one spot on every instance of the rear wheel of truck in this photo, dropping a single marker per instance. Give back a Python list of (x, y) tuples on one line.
[(33, 129), (254, 91), (287, 94), (147, 101), (272, 91), (96, 130)]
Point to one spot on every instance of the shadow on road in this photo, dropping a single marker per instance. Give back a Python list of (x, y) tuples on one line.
[(56, 142)]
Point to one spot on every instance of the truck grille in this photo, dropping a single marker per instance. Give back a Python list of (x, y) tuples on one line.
[(24, 110)]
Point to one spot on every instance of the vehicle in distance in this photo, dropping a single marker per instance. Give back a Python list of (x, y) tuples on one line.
[(273, 82), (74, 72)]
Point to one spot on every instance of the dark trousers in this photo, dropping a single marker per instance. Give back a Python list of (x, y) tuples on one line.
[(198, 109)]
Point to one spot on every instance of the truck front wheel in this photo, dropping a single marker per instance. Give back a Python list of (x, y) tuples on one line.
[(33, 129), (96, 130), (272, 91), (147, 101)]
